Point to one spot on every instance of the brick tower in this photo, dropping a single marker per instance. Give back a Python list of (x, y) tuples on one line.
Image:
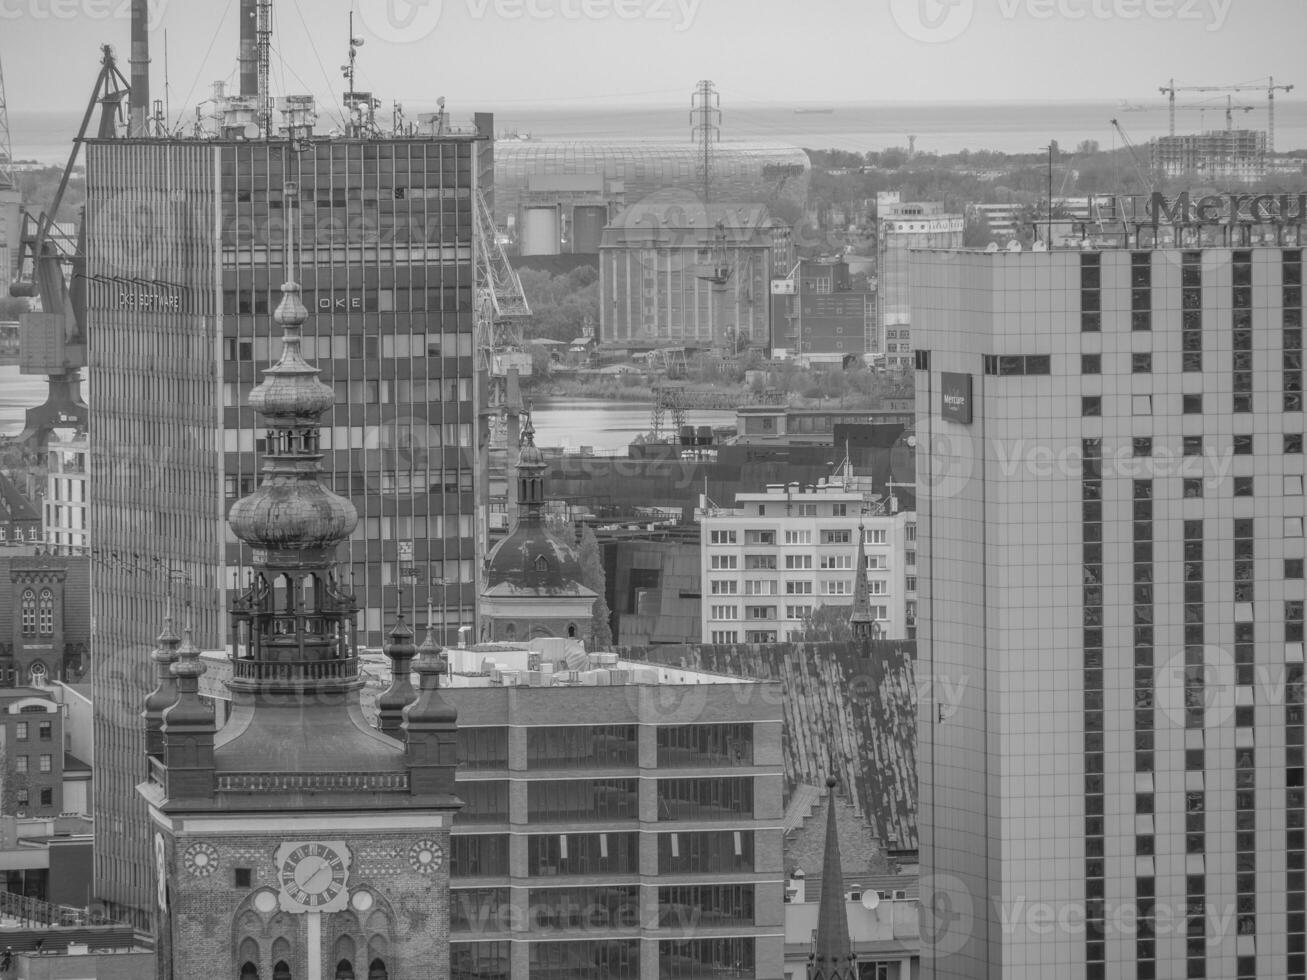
[(296, 840)]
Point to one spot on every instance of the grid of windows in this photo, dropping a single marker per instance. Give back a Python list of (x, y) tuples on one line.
[(705, 852), (1091, 299), (485, 801), (705, 745), (586, 959), (713, 798), (1295, 853), (582, 854), (482, 748), (1141, 291), (479, 961), (693, 959), (574, 746), (478, 855), (1191, 313), (478, 909), (1291, 298), (601, 907), (1144, 720), (1092, 502), (582, 799), (1241, 302), (710, 906)]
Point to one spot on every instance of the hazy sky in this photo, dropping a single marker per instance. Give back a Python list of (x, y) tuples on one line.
[(494, 54)]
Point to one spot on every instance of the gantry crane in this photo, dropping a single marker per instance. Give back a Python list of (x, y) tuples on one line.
[(1145, 176), (1270, 88), (44, 253)]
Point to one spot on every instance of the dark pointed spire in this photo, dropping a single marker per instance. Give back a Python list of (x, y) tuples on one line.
[(861, 622), (392, 702), (832, 951), (189, 728), (431, 725), (164, 695)]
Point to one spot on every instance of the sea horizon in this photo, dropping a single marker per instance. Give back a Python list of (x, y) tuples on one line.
[(856, 125)]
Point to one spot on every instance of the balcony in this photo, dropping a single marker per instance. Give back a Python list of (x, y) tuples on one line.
[(336, 669), (311, 782)]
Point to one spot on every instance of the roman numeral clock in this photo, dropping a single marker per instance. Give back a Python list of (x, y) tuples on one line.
[(313, 876)]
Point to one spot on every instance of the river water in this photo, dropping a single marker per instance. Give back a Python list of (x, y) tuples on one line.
[(605, 426)]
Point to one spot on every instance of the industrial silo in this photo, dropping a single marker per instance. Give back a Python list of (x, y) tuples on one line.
[(540, 233), (588, 222)]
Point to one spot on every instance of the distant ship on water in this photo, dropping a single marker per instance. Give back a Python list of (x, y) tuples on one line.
[(814, 112)]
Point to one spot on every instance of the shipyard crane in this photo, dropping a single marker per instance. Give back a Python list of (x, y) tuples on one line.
[(1145, 176), (501, 310), (7, 181), (44, 253), (1270, 88)]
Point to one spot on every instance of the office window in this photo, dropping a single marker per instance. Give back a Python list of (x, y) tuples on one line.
[(715, 798), (1091, 363), (1141, 363), (582, 799), (722, 537), (692, 959), (482, 748), (1192, 404), (47, 796), (580, 854), (1091, 406), (20, 764), (705, 851), (568, 746), (20, 731), (705, 745)]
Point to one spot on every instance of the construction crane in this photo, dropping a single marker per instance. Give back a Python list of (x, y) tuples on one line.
[(44, 253), (1144, 175), (6, 145), (1270, 88)]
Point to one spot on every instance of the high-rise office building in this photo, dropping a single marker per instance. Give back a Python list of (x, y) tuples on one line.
[(901, 226), (184, 251), (1110, 513)]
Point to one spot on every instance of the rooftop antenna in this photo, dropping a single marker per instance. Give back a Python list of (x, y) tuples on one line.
[(265, 55)]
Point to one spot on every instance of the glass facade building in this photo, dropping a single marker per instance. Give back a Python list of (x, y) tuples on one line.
[(185, 258), (1110, 511)]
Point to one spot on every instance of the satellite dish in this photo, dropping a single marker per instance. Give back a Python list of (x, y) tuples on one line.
[(912, 442), (1014, 246), (1039, 247), (251, 131), (992, 247), (870, 899)]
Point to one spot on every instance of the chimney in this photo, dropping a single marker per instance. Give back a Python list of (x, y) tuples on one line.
[(139, 104), (249, 52)]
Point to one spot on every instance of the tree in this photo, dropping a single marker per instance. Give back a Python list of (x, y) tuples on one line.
[(12, 307), (593, 577), (827, 623)]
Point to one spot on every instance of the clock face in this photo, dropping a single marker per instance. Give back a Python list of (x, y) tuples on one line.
[(313, 876), (200, 859), (426, 856)]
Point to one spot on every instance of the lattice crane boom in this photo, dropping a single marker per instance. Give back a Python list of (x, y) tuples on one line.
[(7, 181)]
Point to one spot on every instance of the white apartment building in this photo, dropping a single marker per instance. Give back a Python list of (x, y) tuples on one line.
[(768, 563), (64, 508)]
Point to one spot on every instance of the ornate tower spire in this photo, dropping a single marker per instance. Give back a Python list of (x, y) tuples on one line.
[(832, 951), (296, 623), (861, 622), (392, 702), (164, 695), (530, 475)]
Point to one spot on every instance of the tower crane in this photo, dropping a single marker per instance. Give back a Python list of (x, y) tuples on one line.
[(1270, 88), (6, 146)]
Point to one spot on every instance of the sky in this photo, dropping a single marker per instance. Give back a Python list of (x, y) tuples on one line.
[(495, 54)]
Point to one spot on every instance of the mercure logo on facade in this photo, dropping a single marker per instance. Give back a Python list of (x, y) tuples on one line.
[(1227, 209)]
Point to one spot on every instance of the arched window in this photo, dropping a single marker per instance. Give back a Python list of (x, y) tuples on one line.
[(281, 971), (344, 970), (47, 612), (542, 565), (377, 970), (571, 630), (249, 971), (29, 612)]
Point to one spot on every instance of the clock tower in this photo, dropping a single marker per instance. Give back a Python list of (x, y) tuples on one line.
[(298, 841)]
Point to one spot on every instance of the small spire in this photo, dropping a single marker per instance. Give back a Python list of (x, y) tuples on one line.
[(392, 702), (164, 695), (832, 951), (862, 623), (189, 710)]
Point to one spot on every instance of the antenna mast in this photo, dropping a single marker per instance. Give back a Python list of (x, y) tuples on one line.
[(265, 56), (705, 127)]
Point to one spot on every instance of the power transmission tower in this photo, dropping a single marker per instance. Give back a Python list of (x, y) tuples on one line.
[(6, 147), (706, 127)]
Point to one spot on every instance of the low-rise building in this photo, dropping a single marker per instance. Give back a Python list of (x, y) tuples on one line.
[(65, 492), (771, 561)]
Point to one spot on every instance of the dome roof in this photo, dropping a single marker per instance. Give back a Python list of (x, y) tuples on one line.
[(291, 515), (536, 560)]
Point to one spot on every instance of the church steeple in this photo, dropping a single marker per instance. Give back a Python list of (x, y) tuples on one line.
[(861, 622), (164, 694), (832, 951), (530, 476), (392, 701)]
